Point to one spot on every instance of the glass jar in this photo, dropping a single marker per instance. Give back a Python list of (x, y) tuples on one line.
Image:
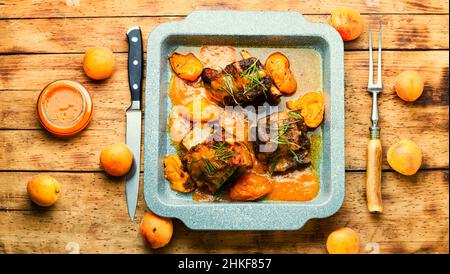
[(64, 108)]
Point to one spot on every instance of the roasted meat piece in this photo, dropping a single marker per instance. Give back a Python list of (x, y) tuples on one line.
[(282, 141), (212, 163), (244, 82)]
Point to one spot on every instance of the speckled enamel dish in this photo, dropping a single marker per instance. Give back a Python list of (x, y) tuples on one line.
[(243, 29)]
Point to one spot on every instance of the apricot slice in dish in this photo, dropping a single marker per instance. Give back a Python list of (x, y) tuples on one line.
[(278, 67), (174, 173), (250, 187), (311, 106), (187, 67)]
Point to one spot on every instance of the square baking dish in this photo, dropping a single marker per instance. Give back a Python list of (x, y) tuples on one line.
[(243, 29)]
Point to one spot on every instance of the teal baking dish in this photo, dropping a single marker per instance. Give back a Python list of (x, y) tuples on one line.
[(243, 29)]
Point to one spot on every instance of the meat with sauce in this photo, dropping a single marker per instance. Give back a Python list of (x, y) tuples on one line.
[(212, 163), (244, 82), (282, 141)]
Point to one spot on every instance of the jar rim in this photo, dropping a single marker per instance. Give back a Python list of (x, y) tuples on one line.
[(71, 127)]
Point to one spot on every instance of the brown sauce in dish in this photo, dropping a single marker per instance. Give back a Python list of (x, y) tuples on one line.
[(295, 185)]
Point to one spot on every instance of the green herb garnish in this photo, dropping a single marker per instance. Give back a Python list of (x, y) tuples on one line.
[(228, 88), (210, 167), (254, 78)]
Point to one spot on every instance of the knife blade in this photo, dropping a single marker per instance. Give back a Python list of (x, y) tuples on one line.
[(133, 116)]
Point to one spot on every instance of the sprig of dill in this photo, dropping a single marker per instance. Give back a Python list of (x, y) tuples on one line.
[(222, 153), (281, 138), (210, 167), (228, 78), (254, 78)]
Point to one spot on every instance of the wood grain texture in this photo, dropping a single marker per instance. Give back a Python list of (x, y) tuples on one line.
[(92, 213), (89, 8), (373, 176), (42, 41), (63, 35), (424, 121)]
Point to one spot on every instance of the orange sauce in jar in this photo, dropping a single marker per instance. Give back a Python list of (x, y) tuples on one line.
[(64, 108)]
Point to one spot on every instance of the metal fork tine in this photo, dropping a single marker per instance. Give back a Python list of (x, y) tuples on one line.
[(379, 84), (370, 58)]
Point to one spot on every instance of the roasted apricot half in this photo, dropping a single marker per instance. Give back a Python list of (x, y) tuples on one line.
[(311, 106), (187, 67), (278, 67), (250, 187)]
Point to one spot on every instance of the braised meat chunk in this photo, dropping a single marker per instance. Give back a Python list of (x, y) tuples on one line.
[(212, 163), (244, 82), (282, 141)]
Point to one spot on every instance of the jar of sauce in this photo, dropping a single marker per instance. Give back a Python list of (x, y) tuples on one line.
[(64, 108)]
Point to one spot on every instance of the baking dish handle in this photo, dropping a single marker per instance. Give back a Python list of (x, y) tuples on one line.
[(218, 18)]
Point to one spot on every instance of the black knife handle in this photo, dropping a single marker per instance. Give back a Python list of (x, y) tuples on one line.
[(135, 65)]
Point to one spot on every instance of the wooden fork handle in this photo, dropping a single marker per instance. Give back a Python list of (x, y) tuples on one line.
[(373, 176)]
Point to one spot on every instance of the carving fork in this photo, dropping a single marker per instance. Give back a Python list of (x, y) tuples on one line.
[(374, 151)]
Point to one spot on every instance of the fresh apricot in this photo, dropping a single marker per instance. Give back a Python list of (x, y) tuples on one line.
[(43, 190), (348, 22), (156, 230), (405, 157), (343, 241), (116, 159), (98, 63), (409, 85)]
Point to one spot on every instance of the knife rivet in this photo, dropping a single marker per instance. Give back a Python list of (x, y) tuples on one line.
[(135, 62), (135, 86), (134, 39)]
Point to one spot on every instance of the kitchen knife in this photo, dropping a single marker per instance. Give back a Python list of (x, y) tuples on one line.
[(133, 136)]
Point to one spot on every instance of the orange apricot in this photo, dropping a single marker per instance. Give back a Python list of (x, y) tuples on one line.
[(343, 241), (409, 85), (250, 187), (405, 157), (155, 230), (43, 190), (187, 67), (174, 173), (311, 106), (98, 63), (278, 67), (116, 159), (348, 22)]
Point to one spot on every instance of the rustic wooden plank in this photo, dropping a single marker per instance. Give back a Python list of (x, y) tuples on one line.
[(85, 8), (92, 213), (425, 121), (38, 150), (63, 35)]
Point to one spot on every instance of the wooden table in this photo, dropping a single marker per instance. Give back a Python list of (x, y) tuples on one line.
[(42, 41)]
